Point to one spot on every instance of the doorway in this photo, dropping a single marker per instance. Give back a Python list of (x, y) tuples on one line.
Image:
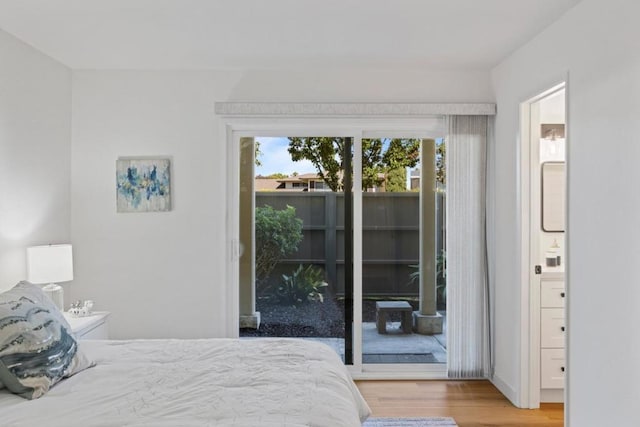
[(359, 242), (544, 163)]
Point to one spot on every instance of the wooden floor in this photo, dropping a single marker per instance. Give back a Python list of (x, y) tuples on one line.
[(470, 403)]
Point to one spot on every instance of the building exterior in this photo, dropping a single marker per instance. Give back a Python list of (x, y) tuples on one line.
[(305, 182)]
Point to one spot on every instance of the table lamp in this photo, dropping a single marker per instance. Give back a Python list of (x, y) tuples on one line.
[(50, 264)]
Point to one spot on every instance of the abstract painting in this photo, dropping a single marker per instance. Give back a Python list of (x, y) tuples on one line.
[(143, 185)]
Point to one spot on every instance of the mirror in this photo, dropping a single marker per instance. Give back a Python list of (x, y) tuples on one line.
[(553, 196)]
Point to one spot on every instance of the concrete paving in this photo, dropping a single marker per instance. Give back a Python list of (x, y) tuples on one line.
[(407, 347), (395, 346)]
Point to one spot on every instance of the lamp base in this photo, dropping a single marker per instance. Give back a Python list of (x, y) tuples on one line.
[(55, 293)]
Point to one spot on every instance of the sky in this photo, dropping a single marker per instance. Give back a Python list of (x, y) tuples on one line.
[(276, 159)]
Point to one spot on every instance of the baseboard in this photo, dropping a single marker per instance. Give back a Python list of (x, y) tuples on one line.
[(504, 388), (555, 395)]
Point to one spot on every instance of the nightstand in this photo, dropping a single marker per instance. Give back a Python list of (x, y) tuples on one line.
[(93, 327)]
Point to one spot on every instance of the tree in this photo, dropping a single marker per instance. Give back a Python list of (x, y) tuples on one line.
[(396, 180), (441, 155), (399, 155), (324, 153), (379, 156), (277, 175), (257, 154)]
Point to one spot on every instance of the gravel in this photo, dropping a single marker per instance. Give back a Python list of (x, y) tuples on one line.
[(312, 319)]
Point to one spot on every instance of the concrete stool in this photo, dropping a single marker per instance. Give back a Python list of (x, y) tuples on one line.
[(384, 307)]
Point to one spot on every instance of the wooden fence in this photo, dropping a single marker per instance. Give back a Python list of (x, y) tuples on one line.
[(390, 239)]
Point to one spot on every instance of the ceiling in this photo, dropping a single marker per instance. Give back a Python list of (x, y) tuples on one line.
[(201, 34)]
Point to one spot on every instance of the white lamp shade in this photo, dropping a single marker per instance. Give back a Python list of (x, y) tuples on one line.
[(50, 264)]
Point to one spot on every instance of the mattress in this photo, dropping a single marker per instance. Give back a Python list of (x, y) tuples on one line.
[(213, 382)]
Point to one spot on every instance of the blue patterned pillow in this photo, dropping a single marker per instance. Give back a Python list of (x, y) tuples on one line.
[(37, 348)]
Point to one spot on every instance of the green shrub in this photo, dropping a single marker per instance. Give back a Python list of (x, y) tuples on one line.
[(278, 234), (305, 284)]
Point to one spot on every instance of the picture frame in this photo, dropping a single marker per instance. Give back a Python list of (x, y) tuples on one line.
[(143, 184)]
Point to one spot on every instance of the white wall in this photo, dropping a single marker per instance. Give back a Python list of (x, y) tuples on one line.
[(596, 43), (35, 154), (161, 274)]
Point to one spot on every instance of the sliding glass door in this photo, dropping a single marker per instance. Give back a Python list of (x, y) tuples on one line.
[(343, 242)]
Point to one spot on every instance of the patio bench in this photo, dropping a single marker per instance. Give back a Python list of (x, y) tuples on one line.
[(384, 307)]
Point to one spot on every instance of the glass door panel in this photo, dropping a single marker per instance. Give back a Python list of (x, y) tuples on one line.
[(403, 288), (294, 225)]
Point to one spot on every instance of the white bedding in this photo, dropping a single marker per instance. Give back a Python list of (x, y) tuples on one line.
[(215, 382)]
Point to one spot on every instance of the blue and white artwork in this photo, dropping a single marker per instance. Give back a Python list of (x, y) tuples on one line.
[(144, 185)]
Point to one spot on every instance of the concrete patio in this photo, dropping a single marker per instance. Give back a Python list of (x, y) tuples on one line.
[(394, 346)]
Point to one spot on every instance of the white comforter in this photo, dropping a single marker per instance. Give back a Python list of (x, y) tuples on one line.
[(216, 382)]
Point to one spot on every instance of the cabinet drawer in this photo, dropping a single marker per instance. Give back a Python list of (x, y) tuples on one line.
[(552, 368), (552, 328), (551, 293)]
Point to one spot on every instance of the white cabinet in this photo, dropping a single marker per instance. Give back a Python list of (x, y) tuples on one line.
[(552, 293), (552, 336), (552, 368), (552, 328)]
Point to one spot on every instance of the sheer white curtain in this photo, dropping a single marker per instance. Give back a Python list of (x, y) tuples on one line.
[(468, 329)]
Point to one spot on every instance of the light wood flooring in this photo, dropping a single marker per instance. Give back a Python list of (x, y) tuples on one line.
[(470, 403)]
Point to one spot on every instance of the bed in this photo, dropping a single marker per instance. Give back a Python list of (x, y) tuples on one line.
[(48, 377), (209, 382)]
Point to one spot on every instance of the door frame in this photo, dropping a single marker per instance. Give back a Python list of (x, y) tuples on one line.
[(232, 129), (530, 244)]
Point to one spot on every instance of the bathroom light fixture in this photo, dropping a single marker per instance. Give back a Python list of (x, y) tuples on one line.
[(550, 135)]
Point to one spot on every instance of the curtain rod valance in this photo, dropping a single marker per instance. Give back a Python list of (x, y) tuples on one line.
[(351, 109)]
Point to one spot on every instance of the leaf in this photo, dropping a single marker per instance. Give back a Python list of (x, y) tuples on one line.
[(379, 157)]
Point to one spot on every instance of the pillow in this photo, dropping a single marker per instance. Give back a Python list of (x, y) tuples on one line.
[(37, 348)]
